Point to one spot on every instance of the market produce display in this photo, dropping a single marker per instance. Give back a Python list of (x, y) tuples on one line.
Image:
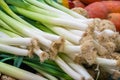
[(103, 9), (45, 40)]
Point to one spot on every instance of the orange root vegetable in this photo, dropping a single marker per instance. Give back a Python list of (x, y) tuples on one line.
[(89, 1), (112, 6), (97, 10), (115, 18)]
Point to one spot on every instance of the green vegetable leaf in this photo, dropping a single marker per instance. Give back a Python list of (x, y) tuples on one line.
[(19, 3), (18, 61), (6, 59)]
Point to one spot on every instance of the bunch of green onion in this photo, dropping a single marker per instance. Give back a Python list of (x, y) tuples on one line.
[(49, 37)]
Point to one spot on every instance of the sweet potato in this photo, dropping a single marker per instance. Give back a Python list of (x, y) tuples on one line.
[(89, 1), (115, 18), (112, 6), (97, 10)]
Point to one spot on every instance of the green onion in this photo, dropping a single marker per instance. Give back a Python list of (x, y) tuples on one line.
[(18, 73), (16, 41), (11, 13), (68, 69), (13, 50), (30, 7), (50, 20), (48, 68), (77, 67), (23, 29), (64, 33), (5, 26), (50, 77), (3, 35), (49, 8), (9, 33), (62, 8)]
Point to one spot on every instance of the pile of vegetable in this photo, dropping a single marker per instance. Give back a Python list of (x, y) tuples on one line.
[(43, 40), (104, 9)]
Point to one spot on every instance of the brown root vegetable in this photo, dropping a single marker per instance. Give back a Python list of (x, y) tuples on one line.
[(80, 11), (89, 1), (105, 24), (112, 6), (5, 77), (97, 10), (115, 18)]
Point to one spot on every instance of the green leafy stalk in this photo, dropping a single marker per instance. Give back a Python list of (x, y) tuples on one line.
[(50, 77), (11, 34), (11, 13), (5, 26), (49, 69), (30, 7), (18, 61)]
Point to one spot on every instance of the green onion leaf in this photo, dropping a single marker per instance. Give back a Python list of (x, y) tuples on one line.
[(18, 61)]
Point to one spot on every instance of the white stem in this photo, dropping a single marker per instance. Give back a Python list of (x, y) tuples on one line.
[(51, 20), (77, 32), (85, 21), (51, 36), (16, 41), (66, 34), (78, 68), (49, 8), (107, 32), (106, 62), (48, 36), (3, 35), (47, 43), (50, 77), (23, 29), (42, 55), (68, 42), (71, 49), (13, 50), (67, 69), (70, 24)]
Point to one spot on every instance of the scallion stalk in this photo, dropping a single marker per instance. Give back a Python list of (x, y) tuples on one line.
[(49, 8), (67, 69), (50, 77), (65, 33), (48, 68), (107, 62), (5, 26), (19, 73), (13, 50), (62, 8), (3, 35), (50, 20), (16, 41), (23, 29), (77, 67)]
